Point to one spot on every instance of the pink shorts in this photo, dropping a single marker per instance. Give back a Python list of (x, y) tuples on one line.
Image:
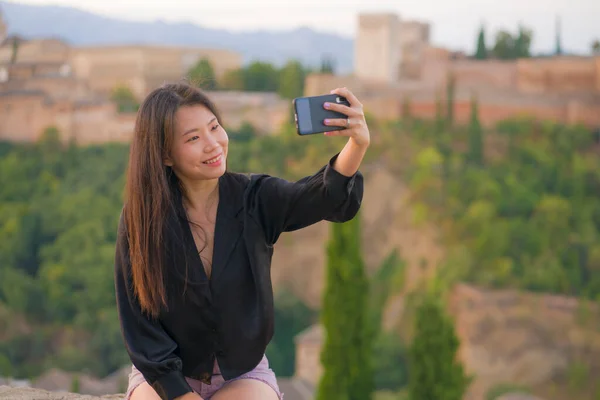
[(261, 372)]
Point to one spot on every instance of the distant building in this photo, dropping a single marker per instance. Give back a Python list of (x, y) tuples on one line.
[(397, 69), (388, 49), (47, 82), (143, 68)]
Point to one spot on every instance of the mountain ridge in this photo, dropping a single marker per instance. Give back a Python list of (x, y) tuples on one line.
[(83, 28)]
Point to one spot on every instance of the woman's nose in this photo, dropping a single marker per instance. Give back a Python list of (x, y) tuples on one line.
[(211, 143)]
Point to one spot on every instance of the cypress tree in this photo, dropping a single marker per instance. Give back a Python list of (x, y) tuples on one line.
[(481, 53), (439, 114), (450, 92), (406, 108), (442, 138), (558, 51), (346, 354), (475, 133), (434, 372)]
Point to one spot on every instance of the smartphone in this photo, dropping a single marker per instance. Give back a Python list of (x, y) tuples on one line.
[(309, 113)]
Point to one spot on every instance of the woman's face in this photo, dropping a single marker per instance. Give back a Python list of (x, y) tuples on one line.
[(200, 144)]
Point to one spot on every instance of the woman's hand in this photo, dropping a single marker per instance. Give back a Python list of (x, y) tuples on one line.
[(355, 125), (351, 156)]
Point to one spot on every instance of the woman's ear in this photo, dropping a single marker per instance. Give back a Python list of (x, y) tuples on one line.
[(167, 161)]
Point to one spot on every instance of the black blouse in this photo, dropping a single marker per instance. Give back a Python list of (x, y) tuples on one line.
[(229, 316)]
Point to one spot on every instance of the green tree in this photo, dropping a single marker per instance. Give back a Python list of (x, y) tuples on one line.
[(558, 51), (450, 93), (291, 80), (233, 79), (481, 52), (389, 354), (435, 372), (202, 75), (439, 114), (390, 362), (442, 139), (125, 99), (5, 366), (523, 43), (244, 133), (596, 47), (75, 384), (382, 285), (15, 49), (327, 65), (291, 317), (475, 134), (504, 47), (509, 47), (406, 108), (261, 77), (346, 354)]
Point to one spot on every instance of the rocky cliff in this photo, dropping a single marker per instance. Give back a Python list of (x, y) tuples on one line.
[(548, 344)]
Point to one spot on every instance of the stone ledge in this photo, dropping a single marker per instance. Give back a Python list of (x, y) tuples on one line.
[(20, 393)]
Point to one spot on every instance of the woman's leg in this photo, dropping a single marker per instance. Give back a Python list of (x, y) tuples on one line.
[(258, 384), (247, 389), (144, 392), (139, 389)]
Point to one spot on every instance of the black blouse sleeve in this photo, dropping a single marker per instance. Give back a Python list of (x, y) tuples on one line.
[(282, 206), (150, 348)]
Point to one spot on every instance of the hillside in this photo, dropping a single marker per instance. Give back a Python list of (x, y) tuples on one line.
[(299, 258), (82, 28), (510, 213)]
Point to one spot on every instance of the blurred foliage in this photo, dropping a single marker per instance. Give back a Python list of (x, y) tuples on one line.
[(507, 45), (595, 47), (435, 372), (347, 348), (202, 75), (287, 81), (125, 100), (291, 317), (59, 208), (516, 205)]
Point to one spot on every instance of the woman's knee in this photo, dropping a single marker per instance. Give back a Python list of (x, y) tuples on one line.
[(144, 392), (247, 389)]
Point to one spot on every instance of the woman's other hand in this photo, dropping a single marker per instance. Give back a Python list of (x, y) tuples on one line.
[(355, 125)]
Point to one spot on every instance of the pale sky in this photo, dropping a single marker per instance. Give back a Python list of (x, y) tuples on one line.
[(454, 23)]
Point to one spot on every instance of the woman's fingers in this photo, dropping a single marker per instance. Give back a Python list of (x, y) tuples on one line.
[(340, 108), (343, 122), (348, 95)]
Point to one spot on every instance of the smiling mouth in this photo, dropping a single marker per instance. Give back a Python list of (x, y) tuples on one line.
[(213, 160)]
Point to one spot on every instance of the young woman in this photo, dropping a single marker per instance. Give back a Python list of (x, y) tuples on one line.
[(194, 247)]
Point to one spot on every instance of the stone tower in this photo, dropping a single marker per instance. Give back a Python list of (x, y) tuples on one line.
[(377, 54), (414, 38), (3, 29)]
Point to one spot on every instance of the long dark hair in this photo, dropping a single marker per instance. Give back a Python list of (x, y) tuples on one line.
[(152, 189)]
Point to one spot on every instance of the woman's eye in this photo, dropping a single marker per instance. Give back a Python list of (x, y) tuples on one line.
[(192, 138), (214, 128)]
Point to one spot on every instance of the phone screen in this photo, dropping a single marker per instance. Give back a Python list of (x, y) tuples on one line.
[(303, 116)]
